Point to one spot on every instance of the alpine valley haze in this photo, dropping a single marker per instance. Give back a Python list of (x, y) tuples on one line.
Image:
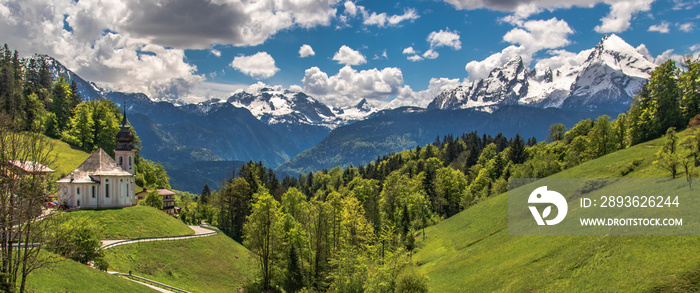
[(346, 145)]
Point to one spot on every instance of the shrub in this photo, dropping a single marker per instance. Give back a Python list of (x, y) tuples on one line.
[(411, 281)]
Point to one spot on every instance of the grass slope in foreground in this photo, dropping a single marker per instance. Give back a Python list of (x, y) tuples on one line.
[(70, 276), (472, 251), (207, 264), (134, 222)]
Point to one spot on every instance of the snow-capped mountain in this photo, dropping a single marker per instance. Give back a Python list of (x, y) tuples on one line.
[(505, 85), (87, 89), (608, 78), (288, 107)]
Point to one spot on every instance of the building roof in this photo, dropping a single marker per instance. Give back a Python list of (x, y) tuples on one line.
[(31, 166), (98, 164), (162, 192)]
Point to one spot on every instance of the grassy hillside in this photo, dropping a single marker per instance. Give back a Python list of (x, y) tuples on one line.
[(207, 264), (69, 276), (472, 251), (135, 222), (68, 158)]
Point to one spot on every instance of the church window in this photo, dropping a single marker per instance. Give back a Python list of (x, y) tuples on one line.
[(77, 190), (121, 161), (93, 191), (127, 190), (129, 162), (106, 190), (78, 202)]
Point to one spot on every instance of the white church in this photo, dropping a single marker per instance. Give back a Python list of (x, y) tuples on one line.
[(101, 182)]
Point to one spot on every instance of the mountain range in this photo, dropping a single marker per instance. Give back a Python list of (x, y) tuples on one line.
[(610, 76), (277, 126)]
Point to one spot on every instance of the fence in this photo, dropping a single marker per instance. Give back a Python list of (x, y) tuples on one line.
[(156, 283)]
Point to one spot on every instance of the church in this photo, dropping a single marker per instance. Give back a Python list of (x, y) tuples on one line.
[(101, 182)]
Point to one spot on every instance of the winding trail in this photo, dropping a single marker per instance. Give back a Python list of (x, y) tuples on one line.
[(199, 231)]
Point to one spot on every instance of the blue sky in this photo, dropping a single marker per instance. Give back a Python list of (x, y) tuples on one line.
[(193, 50)]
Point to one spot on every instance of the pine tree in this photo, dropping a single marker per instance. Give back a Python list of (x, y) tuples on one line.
[(204, 196), (517, 153)]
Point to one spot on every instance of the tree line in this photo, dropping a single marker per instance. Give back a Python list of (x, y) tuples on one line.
[(36, 102), (354, 229)]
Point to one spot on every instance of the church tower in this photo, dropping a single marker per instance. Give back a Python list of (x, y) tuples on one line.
[(124, 152)]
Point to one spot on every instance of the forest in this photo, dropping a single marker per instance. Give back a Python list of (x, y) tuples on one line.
[(354, 229)]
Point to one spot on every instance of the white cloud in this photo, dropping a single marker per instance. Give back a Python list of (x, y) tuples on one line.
[(531, 37), (349, 85), (382, 20), (138, 46), (409, 51), (694, 48), (444, 38), (414, 58), (215, 52), (618, 19), (350, 8), (661, 28), (430, 54), (621, 12), (562, 59), (667, 55), (306, 51), (407, 97), (348, 56), (540, 34), (260, 65), (642, 49), (686, 27), (384, 55)]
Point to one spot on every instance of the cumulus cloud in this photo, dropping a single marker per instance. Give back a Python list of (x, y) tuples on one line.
[(445, 38), (378, 19), (430, 54), (531, 37), (409, 51), (348, 56), (196, 24), (382, 20), (138, 46), (306, 51), (661, 28), (414, 58), (260, 65), (349, 85), (540, 34), (621, 12), (407, 97), (686, 27), (215, 52), (350, 8), (617, 20)]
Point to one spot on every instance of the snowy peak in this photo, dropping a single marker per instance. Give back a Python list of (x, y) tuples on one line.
[(613, 73), (273, 107), (504, 85), (605, 77), (289, 107), (87, 89)]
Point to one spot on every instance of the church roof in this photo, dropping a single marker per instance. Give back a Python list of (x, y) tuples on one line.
[(99, 163), (31, 166)]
